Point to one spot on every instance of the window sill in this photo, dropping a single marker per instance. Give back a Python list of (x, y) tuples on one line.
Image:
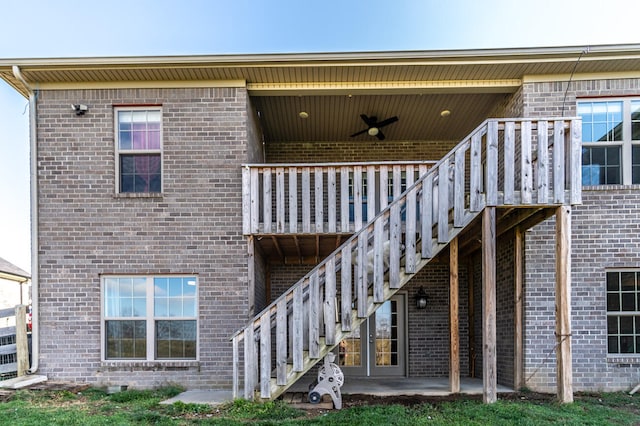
[(609, 187), (626, 360), (159, 195), (119, 365)]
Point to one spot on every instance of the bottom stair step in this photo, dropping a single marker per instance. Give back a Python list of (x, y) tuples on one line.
[(301, 400)]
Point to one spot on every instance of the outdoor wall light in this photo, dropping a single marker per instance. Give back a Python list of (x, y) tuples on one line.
[(80, 109), (421, 299)]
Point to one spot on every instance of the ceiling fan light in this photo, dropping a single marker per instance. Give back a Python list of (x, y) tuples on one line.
[(373, 131)]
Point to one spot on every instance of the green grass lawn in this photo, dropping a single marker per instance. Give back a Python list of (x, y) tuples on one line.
[(95, 407)]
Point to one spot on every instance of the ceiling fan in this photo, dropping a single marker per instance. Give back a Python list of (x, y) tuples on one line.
[(373, 126)]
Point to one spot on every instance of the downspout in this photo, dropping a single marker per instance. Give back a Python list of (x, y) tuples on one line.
[(35, 329)]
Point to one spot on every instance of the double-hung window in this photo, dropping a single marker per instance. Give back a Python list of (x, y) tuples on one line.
[(610, 141), (139, 149), (150, 318), (623, 312)]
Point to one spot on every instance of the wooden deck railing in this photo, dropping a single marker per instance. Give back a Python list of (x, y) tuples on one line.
[(317, 198), (503, 162)]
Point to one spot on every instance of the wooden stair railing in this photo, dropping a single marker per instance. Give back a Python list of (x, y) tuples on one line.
[(311, 318)]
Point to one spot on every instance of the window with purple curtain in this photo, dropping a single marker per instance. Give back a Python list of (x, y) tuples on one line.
[(139, 150)]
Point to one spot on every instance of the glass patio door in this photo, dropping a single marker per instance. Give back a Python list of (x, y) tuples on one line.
[(378, 347)]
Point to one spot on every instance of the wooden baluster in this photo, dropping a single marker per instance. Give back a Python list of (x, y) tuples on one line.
[(371, 193), (281, 342), (458, 189), (319, 201), (346, 288), (575, 158), (526, 178), (361, 274), (293, 200), (255, 201), (297, 326), (266, 200), (426, 203), (250, 363), (280, 219), (314, 316), (509, 162), (477, 201), (379, 242), (443, 201), (344, 199), (265, 355), (330, 301), (331, 198), (558, 162), (384, 186), (410, 224), (542, 166), (357, 197), (246, 200), (306, 200), (492, 164)]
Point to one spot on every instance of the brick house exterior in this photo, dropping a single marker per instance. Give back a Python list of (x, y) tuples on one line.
[(221, 117)]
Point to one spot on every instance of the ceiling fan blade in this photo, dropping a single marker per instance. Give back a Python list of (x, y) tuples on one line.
[(359, 133), (380, 135), (369, 121), (387, 121)]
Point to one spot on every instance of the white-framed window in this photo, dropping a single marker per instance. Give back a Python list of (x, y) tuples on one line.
[(610, 141), (150, 318), (623, 312), (138, 138)]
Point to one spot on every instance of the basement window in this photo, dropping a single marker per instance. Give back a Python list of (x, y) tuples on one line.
[(623, 312), (149, 318)]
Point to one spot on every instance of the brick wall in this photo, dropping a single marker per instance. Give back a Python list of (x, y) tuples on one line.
[(194, 228), (318, 152), (604, 235)]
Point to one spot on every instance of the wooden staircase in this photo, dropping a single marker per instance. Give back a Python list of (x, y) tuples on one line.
[(502, 163)]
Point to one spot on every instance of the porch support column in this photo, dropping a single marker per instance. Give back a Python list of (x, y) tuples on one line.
[(518, 367), (489, 356), (564, 371), (454, 333)]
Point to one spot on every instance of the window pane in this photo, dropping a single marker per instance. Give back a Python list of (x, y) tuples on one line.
[(628, 302), (628, 281), (626, 325), (140, 173), (613, 302), (635, 163), (175, 297), (613, 281), (601, 121), (626, 345), (635, 120), (176, 339), (613, 347), (126, 339), (612, 325)]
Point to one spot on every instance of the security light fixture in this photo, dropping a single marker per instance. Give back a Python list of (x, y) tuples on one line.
[(421, 299)]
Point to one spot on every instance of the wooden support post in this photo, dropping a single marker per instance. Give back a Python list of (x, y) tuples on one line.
[(22, 344), (454, 329), (563, 305), (489, 356), (518, 366)]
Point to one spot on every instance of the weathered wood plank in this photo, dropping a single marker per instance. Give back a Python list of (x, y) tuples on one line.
[(346, 298), (564, 370), (330, 302), (344, 199), (331, 198), (558, 162), (281, 342), (489, 353), (306, 199), (397, 182), (250, 363), (475, 177), (265, 355), (298, 332), (293, 200), (235, 368), (22, 341), (395, 230), (491, 188), (255, 200), (575, 161), (526, 178), (314, 316), (426, 205), (267, 207), (458, 188), (509, 161), (454, 327), (246, 200), (371, 193), (378, 260), (280, 217), (319, 199), (410, 224), (361, 274), (357, 197), (542, 166), (384, 187), (443, 201)]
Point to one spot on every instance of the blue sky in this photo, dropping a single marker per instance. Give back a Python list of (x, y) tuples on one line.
[(49, 28)]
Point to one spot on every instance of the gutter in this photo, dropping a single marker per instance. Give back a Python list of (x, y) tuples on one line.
[(35, 329)]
